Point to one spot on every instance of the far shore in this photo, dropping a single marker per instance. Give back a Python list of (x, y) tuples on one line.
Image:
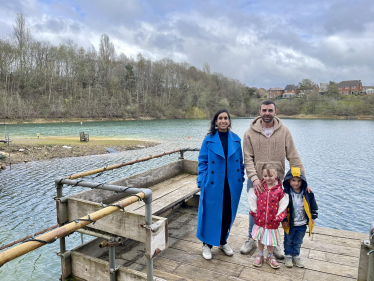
[(78, 120), (24, 150)]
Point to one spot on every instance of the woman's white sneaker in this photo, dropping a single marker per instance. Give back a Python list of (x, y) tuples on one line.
[(226, 249), (207, 252)]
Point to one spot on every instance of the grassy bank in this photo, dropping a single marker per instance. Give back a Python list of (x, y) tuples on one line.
[(33, 149)]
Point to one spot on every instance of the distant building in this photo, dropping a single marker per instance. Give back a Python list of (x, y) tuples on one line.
[(290, 91), (275, 92), (350, 87), (369, 91), (323, 88)]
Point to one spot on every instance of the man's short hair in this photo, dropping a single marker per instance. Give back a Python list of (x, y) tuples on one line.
[(267, 102)]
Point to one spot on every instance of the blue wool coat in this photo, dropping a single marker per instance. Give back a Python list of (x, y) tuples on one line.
[(211, 180)]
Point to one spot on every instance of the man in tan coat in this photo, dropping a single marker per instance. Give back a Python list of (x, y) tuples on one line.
[(266, 141)]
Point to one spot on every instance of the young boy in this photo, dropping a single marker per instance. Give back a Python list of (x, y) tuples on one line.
[(301, 211)]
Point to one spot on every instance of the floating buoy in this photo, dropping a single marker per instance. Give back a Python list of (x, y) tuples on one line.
[(81, 123), (189, 138)]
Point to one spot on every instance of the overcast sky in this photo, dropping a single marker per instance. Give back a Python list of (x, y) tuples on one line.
[(266, 43)]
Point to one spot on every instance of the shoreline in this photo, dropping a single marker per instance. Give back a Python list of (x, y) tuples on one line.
[(23, 150), (78, 120)]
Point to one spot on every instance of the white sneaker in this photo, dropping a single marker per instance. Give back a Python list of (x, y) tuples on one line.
[(249, 246), (278, 253), (226, 249), (207, 253)]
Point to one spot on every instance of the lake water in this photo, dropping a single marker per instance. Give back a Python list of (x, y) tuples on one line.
[(337, 155)]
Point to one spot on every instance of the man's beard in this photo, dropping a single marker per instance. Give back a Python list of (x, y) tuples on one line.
[(269, 120)]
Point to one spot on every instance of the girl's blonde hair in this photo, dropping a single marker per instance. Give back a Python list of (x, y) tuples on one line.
[(269, 167)]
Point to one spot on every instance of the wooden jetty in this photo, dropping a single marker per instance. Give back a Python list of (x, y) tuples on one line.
[(329, 254)]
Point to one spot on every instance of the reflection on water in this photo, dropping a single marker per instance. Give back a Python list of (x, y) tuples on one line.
[(336, 154)]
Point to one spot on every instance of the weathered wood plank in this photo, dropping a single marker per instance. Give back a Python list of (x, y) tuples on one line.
[(119, 223), (331, 268), (311, 275), (259, 275), (163, 189), (340, 233), (165, 202), (237, 258), (94, 269), (333, 258), (153, 176), (229, 269), (193, 272), (347, 242)]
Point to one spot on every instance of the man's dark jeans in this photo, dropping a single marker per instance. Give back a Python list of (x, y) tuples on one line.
[(293, 240)]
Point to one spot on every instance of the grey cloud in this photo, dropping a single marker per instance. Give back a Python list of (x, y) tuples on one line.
[(52, 25), (167, 41)]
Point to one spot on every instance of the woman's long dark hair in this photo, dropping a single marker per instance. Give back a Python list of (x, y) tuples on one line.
[(213, 129)]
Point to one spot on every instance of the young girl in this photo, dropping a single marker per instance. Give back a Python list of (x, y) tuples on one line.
[(268, 208)]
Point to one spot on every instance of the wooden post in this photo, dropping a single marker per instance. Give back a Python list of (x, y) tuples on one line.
[(371, 255)]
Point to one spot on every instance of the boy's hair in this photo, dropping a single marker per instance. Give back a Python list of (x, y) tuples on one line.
[(269, 167)]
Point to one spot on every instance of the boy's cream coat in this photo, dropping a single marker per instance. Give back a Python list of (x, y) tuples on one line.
[(260, 150)]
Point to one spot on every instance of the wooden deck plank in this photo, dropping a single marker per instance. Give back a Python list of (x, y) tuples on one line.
[(311, 275), (162, 188), (332, 268), (162, 203), (214, 265), (237, 258), (347, 242), (334, 258), (197, 273)]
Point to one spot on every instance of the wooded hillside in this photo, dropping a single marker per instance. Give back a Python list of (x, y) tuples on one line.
[(41, 80), (38, 79)]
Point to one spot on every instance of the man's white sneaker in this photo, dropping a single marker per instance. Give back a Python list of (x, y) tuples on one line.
[(249, 246), (278, 253), (207, 252), (226, 249)]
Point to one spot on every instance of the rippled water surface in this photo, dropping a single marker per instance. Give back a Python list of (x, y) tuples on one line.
[(337, 155)]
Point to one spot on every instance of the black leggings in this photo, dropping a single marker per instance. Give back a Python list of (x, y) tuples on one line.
[(226, 213)]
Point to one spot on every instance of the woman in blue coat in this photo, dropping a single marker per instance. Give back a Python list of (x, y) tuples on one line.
[(220, 177)]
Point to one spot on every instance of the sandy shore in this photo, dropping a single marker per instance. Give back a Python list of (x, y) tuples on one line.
[(33, 149)]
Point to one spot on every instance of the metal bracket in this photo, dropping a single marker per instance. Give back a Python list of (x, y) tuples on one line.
[(367, 243), (153, 227), (113, 270), (372, 251)]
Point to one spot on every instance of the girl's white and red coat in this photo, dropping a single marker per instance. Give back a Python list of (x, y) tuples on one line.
[(269, 208)]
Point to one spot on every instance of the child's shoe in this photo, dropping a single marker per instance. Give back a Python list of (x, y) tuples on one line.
[(297, 261), (272, 262), (259, 260), (288, 261)]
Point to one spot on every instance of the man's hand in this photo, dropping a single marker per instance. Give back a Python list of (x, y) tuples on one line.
[(285, 224), (258, 187), (308, 189), (314, 221)]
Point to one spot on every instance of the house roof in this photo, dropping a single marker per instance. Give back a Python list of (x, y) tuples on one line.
[(349, 83), (276, 89), (323, 86), (290, 88)]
